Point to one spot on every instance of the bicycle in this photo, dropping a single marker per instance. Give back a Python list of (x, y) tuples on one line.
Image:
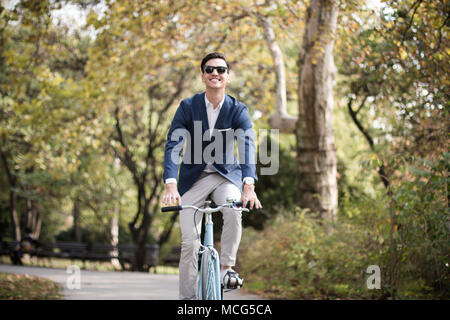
[(209, 284)]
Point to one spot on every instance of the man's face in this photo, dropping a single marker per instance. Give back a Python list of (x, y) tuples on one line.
[(215, 80)]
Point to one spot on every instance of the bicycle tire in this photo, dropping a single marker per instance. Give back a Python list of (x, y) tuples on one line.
[(210, 272)]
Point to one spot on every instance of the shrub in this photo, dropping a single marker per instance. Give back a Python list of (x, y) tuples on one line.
[(405, 230), (421, 221), (295, 258)]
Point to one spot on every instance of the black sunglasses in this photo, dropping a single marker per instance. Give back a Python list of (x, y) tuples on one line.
[(220, 70)]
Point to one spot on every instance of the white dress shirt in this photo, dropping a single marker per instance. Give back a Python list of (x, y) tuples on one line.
[(212, 113)]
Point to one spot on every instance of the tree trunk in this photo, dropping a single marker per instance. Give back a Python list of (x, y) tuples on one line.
[(140, 235), (15, 228), (115, 224), (34, 219), (37, 223), (29, 215), (12, 179), (114, 227), (140, 232), (316, 150), (76, 220)]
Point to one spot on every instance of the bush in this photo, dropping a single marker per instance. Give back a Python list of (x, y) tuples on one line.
[(295, 258), (421, 221), (405, 230)]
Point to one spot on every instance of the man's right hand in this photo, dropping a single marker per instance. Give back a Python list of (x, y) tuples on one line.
[(171, 196)]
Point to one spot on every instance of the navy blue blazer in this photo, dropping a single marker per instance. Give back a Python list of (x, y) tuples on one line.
[(187, 132)]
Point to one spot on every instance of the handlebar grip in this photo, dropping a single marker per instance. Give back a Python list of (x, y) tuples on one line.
[(172, 208), (240, 203)]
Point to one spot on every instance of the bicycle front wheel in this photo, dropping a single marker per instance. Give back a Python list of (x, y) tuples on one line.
[(210, 284)]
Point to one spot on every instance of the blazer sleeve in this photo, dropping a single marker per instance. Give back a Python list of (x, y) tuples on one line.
[(176, 138), (245, 137)]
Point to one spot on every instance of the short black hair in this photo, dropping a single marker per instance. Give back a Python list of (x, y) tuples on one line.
[(214, 55)]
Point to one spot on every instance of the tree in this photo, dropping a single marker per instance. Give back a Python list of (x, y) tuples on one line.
[(316, 150), (395, 83), (142, 63), (316, 154), (47, 130), (22, 80)]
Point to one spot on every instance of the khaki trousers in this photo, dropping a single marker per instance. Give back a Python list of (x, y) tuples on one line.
[(218, 188)]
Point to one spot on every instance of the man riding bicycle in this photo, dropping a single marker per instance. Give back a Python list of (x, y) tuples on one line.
[(209, 123)]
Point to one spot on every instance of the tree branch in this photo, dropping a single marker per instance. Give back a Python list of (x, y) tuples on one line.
[(416, 6), (127, 157), (280, 119), (381, 169), (353, 115)]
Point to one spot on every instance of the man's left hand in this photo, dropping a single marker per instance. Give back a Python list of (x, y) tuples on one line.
[(249, 196)]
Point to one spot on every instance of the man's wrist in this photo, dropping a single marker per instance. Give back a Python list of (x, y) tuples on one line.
[(249, 181), (249, 187)]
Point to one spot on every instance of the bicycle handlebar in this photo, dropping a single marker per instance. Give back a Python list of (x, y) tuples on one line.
[(172, 208), (240, 203), (234, 205)]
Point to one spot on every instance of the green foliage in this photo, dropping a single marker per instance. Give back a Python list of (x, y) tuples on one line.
[(404, 231), (51, 138), (394, 65), (295, 258), (62, 95), (422, 224)]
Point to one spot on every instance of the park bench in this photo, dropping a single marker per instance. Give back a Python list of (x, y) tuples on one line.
[(71, 250), (126, 255), (103, 252), (85, 252), (45, 250), (7, 247)]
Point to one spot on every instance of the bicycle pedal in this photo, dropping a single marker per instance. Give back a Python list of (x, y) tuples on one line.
[(232, 280)]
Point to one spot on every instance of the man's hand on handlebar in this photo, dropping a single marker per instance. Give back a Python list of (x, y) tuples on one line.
[(171, 196), (249, 197)]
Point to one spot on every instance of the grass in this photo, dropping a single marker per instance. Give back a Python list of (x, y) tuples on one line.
[(25, 287)]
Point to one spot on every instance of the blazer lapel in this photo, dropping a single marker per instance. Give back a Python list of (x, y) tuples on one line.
[(203, 114)]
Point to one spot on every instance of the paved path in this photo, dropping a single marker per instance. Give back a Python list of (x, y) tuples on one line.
[(99, 285)]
